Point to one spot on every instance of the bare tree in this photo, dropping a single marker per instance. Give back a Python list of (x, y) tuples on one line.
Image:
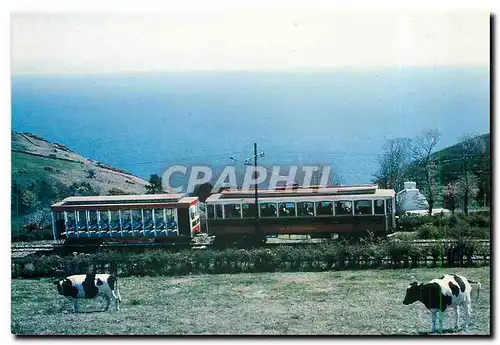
[(393, 163), (451, 196), (467, 190), (471, 146), (421, 151)]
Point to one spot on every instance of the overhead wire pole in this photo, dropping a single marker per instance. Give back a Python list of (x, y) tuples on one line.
[(257, 225), (256, 195)]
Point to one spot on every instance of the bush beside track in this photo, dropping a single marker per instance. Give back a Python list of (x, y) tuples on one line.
[(319, 257), (476, 223)]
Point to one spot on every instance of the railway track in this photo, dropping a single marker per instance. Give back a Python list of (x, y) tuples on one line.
[(48, 247)]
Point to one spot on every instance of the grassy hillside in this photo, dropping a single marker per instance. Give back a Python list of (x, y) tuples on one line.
[(450, 160), (44, 172)]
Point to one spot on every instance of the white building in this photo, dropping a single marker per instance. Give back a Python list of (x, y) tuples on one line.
[(410, 198), (412, 201)]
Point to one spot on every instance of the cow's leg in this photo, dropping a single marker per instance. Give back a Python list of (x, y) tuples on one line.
[(457, 314), (440, 318), (115, 299), (107, 301), (468, 312), (75, 305), (433, 319)]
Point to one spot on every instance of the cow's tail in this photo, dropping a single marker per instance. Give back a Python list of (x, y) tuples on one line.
[(478, 286)]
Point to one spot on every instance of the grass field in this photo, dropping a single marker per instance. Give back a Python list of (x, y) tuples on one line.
[(327, 303)]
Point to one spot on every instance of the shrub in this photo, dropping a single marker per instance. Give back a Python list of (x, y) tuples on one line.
[(430, 231), (480, 233), (459, 231), (436, 251), (483, 251), (305, 258), (116, 191), (25, 235), (407, 236), (399, 252), (28, 201), (415, 253), (91, 174), (479, 220), (411, 222)]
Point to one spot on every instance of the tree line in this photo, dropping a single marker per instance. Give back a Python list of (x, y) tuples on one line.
[(452, 177)]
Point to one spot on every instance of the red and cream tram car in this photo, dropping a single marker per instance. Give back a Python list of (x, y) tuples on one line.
[(126, 218), (319, 212)]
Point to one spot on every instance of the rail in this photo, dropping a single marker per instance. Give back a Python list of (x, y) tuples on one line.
[(19, 248)]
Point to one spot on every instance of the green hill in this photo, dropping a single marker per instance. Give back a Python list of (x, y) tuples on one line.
[(450, 162), (44, 172)]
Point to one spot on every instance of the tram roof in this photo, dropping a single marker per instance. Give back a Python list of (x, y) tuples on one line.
[(124, 200), (304, 193)]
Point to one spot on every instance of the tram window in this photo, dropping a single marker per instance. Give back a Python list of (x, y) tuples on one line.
[(218, 211), (267, 209), (363, 207), (388, 205), (148, 219), (103, 216), (126, 220), (137, 219), (248, 210), (379, 206), (324, 208), (71, 222), (171, 219), (286, 209), (343, 208), (103, 220), (92, 220), (82, 220), (115, 220), (170, 213), (125, 215), (305, 208), (159, 223), (210, 211), (232, 211), (92, 216)]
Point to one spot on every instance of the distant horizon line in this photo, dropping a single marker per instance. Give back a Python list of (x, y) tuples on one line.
[(252, 70)]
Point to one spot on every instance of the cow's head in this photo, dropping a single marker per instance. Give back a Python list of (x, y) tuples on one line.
[(64, 286), (412, 293)]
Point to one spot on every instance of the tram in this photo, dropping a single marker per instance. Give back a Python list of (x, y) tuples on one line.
[(317, 211), (126, 218)]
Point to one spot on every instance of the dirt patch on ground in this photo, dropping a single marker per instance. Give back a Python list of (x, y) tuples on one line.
[(181, 281), (172, 292), (324, 289), (291, 280), (243, 288), (297, 279)]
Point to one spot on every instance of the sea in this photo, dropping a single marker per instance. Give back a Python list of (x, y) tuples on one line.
[(145, 123)]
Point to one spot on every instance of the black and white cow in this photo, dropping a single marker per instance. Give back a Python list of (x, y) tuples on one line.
[(439, 294), (89, 286)]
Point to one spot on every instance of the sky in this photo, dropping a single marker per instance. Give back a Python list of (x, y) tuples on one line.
[(240, 39)]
